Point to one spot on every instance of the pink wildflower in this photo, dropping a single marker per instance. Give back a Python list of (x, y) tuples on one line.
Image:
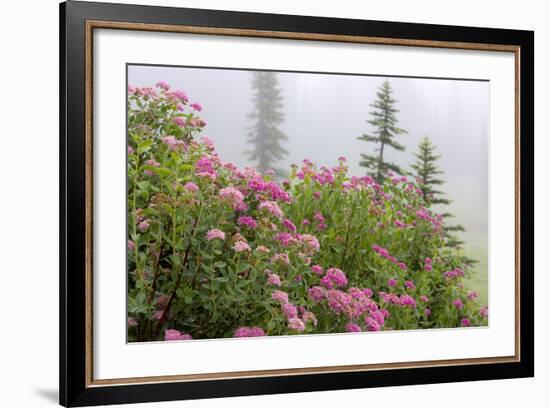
[(317, 270), (399, 224), (171, 334), (392, 282), (465, 322), (163, 85), (152, 163), (131, 245), (472, 294), (143, 226), (272, 208), (289, 310), (309, 317), (372, 324), (484, 311), (173, 143), (191, 187), (178, 120), (319, 217), (316, 293), (296, 324), (340, 302), (289, 225), (367, 292), (247, 221), (407, 301), (233, 196), (196, 106), (285, 238), (280, 296), (241, 246), (311, 243), (182, 96), (353, 328), (334, 277), (273, 279), (215, 234), (263, 249), (249, 332), (281, 258), (458, 303), (208, 142), (409, 285), (379, 317)]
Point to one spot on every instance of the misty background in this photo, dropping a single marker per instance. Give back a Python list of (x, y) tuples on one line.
[(325, 113)]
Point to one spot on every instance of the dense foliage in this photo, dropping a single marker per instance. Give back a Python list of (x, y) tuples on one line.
[(216, 251)]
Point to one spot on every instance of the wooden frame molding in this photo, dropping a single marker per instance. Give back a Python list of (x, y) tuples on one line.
[(114, 25), (78, 22)]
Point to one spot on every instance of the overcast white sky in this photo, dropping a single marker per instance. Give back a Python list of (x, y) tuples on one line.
[(325, 113)]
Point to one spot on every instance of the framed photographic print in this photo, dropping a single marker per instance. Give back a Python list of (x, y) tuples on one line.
[(256, 203)]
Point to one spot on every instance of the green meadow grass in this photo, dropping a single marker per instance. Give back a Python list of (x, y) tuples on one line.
[(476, 247)]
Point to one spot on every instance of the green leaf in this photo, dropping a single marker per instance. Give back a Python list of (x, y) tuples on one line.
[(163, 171), (144, 145)]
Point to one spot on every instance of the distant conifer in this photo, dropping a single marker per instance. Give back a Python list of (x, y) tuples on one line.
[(384, 135), (265, 137)]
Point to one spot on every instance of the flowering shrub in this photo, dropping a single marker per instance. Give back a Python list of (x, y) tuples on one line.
[(216, 251)]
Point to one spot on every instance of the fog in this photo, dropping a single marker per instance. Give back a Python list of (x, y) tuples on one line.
[(325, 113)]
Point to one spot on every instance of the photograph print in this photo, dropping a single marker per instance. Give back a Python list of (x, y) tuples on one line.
[(266, 203)]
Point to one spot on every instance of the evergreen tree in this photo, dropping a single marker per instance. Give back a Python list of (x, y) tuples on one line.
[(384, 122), (427, 174), (265, 136)]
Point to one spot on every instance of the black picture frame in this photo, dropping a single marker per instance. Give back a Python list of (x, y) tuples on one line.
[(75, 389)]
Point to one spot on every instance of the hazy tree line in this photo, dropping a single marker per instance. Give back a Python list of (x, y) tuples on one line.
[(266, 141)]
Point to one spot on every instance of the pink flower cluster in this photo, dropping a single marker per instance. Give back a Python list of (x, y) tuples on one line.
[(215, 234), (173, 143), (204, 167), (403, 300), (272, 208), (241, 246), (334, 277), (273, 279), (457, 272), (428, 264), (247, 221), (274, 191), (384, 253), (171, 334), (234, 197), (249, 332), (296, 317), (151, 163)]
